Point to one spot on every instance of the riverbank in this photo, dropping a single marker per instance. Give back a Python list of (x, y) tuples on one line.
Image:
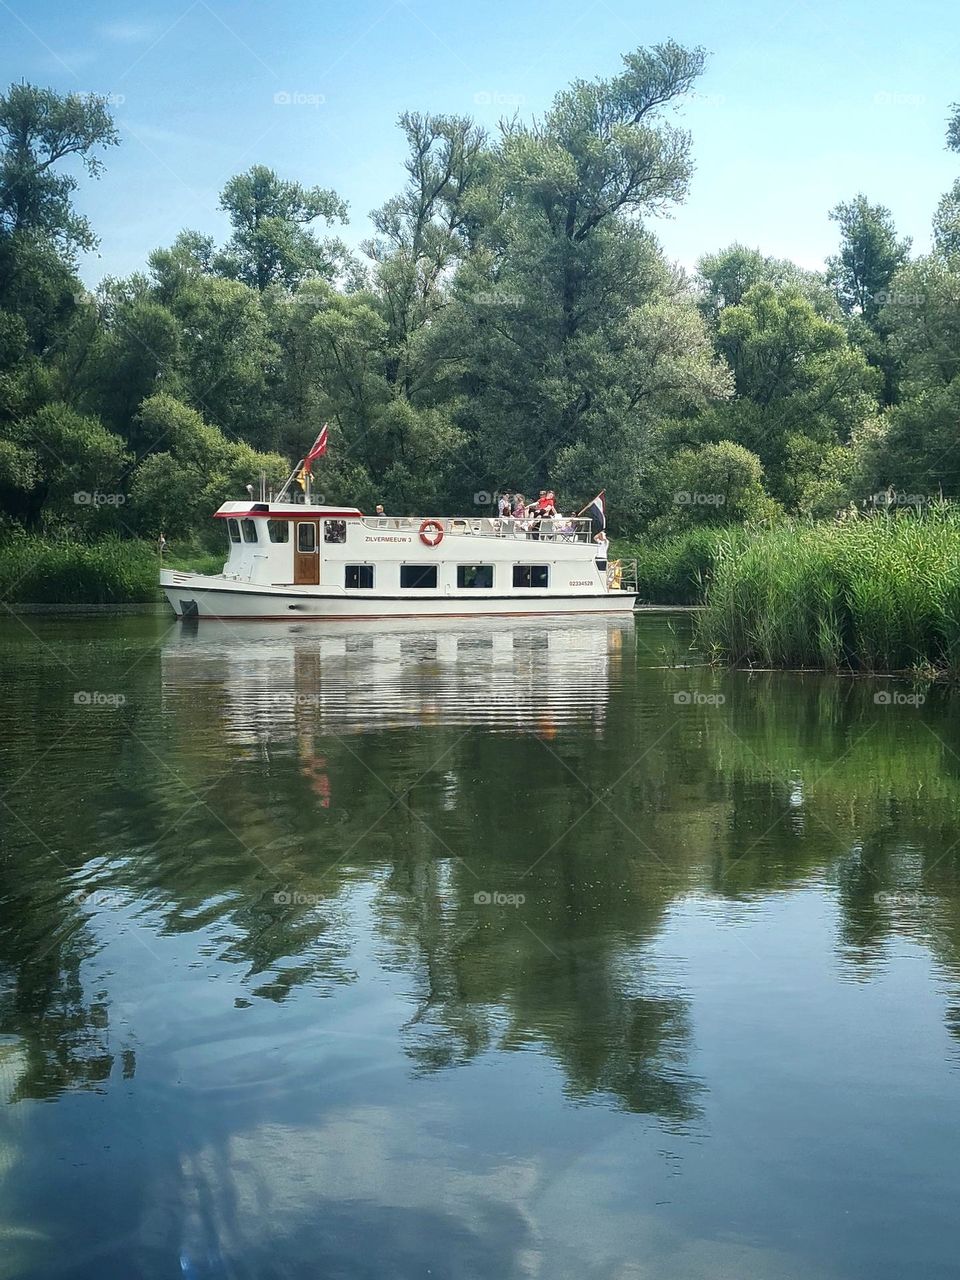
[(40, 575), (878, 594)]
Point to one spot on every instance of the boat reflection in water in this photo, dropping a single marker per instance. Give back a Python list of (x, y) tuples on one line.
[(274, 683)]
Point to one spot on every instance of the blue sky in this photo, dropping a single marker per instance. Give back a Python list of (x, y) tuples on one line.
[(802, 104)]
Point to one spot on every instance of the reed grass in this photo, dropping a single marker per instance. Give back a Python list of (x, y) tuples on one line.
[(881, 593), (40, 571), (677, 569)]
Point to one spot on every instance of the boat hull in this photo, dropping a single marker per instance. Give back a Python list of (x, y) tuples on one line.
[(198, 596)]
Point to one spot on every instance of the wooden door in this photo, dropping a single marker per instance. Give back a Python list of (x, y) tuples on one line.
[(306, 554)]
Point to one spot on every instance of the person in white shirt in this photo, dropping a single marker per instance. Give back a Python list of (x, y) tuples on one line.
[(603, 548)]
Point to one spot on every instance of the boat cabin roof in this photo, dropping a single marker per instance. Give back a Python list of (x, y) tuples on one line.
[(286, 510)]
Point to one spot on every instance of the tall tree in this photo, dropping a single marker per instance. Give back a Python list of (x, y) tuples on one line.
[(870, 255), (38, 129), (573, 332), (272, 241)]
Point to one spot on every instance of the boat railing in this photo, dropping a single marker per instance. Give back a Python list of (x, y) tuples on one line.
[(553, 529), (622, 575)]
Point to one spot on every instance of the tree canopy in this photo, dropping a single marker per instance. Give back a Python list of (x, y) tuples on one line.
[(512, 321)]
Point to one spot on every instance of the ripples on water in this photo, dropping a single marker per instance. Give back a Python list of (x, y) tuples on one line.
[(507, 948)]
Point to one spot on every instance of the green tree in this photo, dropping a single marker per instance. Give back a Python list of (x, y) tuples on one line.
[(723, 279), (62, 469), (272, 242), (570, 333), (870, 255), (946, 223), (715, 484), (801, 387), (38, 129)]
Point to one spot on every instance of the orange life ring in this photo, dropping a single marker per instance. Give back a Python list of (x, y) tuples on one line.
[(437, 529)]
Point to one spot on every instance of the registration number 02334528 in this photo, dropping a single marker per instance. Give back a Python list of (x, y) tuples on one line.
[(580, 583)]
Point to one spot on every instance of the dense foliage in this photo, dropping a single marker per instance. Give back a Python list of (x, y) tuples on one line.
[(512, 321), (875, 593)]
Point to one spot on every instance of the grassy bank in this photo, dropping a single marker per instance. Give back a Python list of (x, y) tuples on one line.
[(876, 594), (36, 571), (678, 569)]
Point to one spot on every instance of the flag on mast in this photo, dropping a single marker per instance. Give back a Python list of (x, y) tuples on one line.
[(317, 449), (597, 510)]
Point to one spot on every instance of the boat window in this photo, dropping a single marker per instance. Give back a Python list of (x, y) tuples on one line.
[(418, 575), (234, 528), (358, 575), (306, 536), (334, 530), (531, 575), (474, 575), (279, 530), (249, 528)]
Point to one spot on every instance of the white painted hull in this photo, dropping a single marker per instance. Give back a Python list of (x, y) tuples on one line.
[(199, 596)]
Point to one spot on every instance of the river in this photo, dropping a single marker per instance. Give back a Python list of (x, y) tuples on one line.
[(518, 948)]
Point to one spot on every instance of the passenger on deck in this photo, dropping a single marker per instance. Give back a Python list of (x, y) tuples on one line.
[(503, 506), (519, 507), (380, 511), (602, 551)]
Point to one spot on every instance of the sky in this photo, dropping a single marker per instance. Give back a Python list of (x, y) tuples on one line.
[(803, 102)]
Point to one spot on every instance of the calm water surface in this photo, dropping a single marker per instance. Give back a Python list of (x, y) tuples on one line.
[(504, 949)]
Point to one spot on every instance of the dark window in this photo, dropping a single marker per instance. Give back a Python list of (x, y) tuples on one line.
[(249, 528), (418, 575), (279, 530), (306, 536), (530, 575), (234, 528), (334, 530), (358, 575), (474, 575)]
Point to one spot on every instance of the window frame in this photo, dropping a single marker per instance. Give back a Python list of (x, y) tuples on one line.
[(419, 569), (358, 585), (233, 529), (273, 524), (463, 585), (312, 526), (249, 525), (335, 532), (530, 585)]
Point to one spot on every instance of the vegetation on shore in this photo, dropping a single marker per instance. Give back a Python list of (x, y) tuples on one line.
[(873, 594), (512, 322), (111, 571)]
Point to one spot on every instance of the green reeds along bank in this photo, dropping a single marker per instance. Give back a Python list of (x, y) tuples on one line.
[(880, 593), (677, 569), (37, 571)]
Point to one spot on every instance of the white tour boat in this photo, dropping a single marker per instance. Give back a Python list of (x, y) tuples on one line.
[(290, 560)]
